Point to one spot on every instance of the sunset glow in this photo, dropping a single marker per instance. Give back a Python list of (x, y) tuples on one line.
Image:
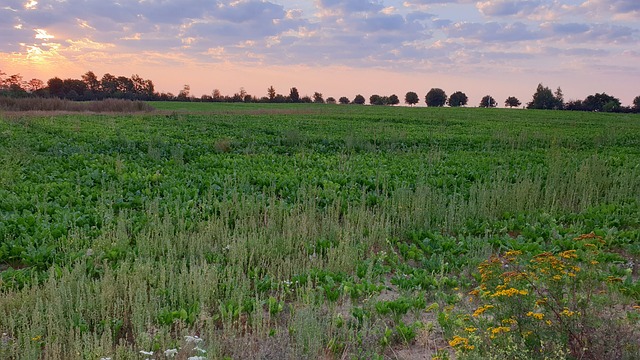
[(337, 47)]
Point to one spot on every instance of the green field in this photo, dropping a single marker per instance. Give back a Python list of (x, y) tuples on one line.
[(234, 231)]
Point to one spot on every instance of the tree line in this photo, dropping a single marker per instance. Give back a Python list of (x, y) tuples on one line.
[(90, 87)]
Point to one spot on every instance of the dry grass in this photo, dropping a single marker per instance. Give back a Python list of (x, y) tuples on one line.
[(60, 105)]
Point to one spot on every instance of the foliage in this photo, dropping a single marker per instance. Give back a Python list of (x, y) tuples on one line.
[(512, 101), (344, 100), (436, 97), (458, 98), (411, 98), (544, 98), (359, 100), (294, 96), (488, 102), (553, 302)]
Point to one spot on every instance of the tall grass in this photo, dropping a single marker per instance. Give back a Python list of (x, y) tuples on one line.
[(55, 104)]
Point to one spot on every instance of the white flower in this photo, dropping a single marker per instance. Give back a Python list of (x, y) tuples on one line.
[(105, 358), (170, 352), (197, 358), (193, 339), (89, 252), (197, 348), (146, 352)]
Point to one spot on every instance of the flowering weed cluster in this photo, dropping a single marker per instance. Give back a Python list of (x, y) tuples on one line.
[(560, 302)]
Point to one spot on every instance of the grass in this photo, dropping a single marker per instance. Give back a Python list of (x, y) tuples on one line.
[(55, 104), (297, 231)]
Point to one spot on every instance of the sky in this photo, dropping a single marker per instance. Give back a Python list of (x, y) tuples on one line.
[(336, 47)]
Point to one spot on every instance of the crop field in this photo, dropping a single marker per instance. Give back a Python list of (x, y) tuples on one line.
[(264, 231)]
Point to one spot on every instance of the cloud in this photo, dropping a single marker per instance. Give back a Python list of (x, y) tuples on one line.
[(507, 7)]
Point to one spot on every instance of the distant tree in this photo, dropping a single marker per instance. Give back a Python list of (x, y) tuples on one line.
[(216, 95), (184, 94), (559, 99), (34, 85), (271, 92), (512, 101), (359, 99), (575, 105), (488, 102), (601, 102), (544, 98), (636, 103), (411, 98), (376, 100), (56, 87), (92, 81), (242, 93), (331, 100), (343, 100), (294, 96), (436, 98), (306, 99), (248, 98), (77, 86), (394, 100), (317, 98), (458, 98), (109, 84), (280, 99)]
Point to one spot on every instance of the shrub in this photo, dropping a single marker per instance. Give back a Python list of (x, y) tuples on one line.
[(563, 302)]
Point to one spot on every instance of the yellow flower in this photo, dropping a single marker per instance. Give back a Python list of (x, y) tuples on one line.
[(510, 292), (549, 322), (510, 321), (470, 329), (481, 309), (499, 329), (36, 338), (568, 313), (457, 340), (569, 254), (557, 277), (594, 262), (538, 316)]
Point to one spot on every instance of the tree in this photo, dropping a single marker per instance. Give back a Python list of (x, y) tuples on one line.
[(184, 93), (92, 81), (109, 84), (306, 99), (393, 100), (216, 95), (317, 98), (411, 98), (77, 86), (271, 92), (601, 102), (488, 102), (331, 100), (458, 98), (636, 103), (34, 85), (436, 98), (294, 96), (343, 100), (359, 99), (544, 98), (512, 101), (56, 87), (376, 100), (559, 99)]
